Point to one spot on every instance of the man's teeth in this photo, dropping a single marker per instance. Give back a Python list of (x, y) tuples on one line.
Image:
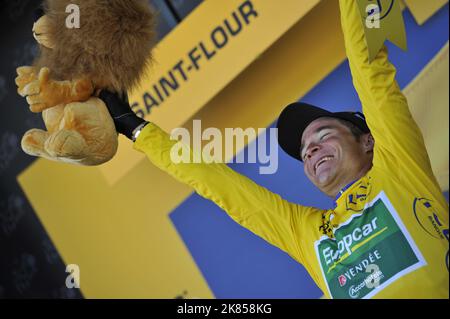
[(323, 160)]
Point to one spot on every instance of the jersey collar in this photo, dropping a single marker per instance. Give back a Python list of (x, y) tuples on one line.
[(342, 191)]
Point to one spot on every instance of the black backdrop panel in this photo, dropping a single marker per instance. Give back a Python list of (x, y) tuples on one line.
[(30, 266)]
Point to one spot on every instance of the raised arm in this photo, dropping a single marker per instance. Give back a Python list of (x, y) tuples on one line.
[(384, 105), (254, 207)]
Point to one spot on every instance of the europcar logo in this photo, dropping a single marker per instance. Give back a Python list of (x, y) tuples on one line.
[(372, 250)]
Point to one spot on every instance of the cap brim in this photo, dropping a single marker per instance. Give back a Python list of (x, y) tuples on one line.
[(292, 123), (296, 117)]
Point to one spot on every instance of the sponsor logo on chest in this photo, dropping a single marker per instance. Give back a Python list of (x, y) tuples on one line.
[(368, 252)]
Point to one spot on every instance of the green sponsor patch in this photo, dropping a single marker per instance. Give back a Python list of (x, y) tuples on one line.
[(368, 253)]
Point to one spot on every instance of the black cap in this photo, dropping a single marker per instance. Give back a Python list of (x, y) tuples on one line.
[(296, 117)]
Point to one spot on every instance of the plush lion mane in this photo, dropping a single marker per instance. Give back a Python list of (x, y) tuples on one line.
[(112, 47)]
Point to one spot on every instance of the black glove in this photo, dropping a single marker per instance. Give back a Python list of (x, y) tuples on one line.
[(125, 120)]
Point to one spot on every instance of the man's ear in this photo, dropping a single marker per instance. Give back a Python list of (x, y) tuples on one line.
[(368, 142)]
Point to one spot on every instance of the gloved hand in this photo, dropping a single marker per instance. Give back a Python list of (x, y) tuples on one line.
[(125, 120)]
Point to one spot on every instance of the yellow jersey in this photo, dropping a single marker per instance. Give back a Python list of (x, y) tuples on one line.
[(386, 237)]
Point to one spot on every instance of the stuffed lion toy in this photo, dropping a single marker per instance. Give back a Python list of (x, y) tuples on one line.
[(110, 50)]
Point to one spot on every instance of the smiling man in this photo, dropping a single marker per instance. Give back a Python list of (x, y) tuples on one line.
[(332, 154), (335, 148), (387, 234)]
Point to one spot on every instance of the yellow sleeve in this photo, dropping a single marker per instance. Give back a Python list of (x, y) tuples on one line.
[(397, 136), (254, 207)]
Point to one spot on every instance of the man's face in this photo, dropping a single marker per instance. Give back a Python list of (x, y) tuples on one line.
[(332, 155)]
